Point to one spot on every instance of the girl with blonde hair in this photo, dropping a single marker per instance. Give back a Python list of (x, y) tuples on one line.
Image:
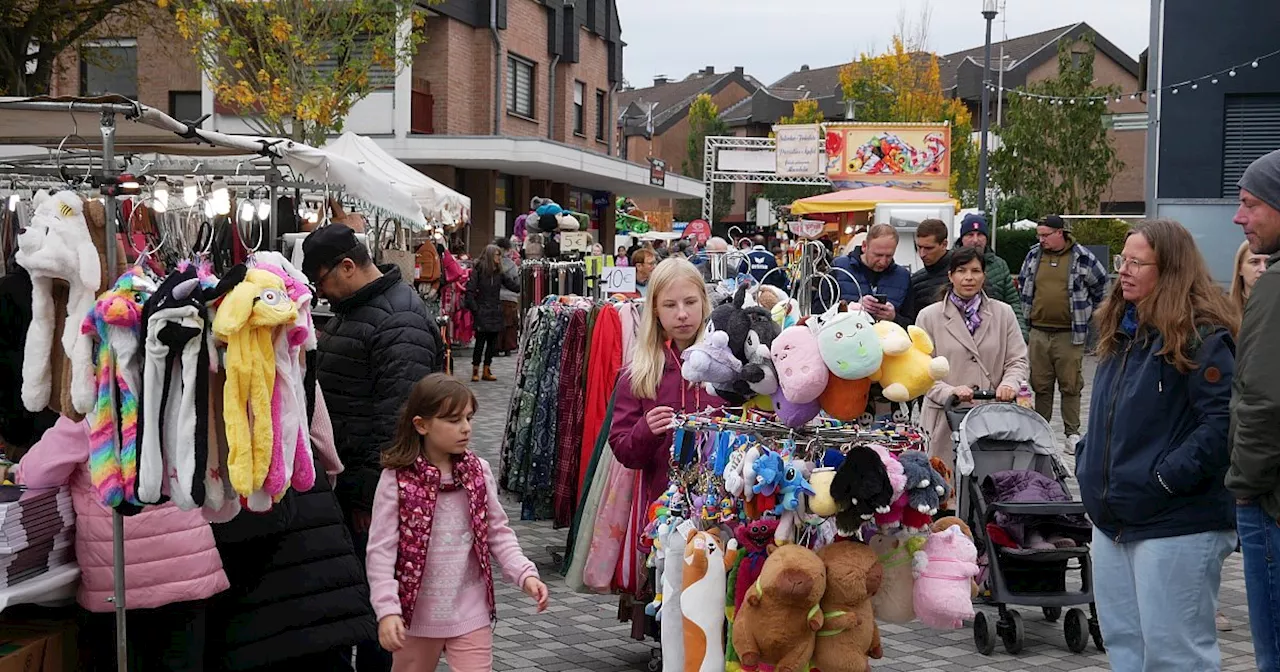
[(1249, 267), (650, 390)]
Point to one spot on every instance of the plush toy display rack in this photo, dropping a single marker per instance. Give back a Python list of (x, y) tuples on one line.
[(99, 168)]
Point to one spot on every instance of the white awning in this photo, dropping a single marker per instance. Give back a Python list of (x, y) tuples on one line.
[(439, 203)]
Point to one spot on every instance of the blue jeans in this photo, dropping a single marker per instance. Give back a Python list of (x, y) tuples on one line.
[(1157, 598), (1260, 544)]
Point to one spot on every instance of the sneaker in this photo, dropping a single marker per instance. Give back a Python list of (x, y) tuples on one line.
[(1223, 623), (1072, 440)]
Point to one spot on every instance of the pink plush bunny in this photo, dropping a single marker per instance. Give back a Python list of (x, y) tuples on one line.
[(891, 516), (942, 571)]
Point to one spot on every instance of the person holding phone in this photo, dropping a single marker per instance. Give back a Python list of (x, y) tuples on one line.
[(981, 339), (869, 275)]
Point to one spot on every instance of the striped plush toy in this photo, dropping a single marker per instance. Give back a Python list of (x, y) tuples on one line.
[(116, 322)]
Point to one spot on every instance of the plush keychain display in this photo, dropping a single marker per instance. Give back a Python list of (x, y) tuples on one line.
[(55, 245)]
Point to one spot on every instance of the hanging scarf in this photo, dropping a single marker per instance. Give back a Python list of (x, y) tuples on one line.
[(419, 486), (969, 309), (1129, 323)]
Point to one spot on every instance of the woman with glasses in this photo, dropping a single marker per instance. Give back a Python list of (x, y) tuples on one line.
[(1152, 463)]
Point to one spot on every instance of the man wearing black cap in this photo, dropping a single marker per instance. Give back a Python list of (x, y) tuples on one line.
[(999, 284), (379, 343), (1062, 284), (1254, 476)]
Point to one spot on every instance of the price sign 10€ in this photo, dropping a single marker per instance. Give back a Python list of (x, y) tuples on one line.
[(619, 280)]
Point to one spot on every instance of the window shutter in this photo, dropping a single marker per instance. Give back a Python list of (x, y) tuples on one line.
[(1251, 128)]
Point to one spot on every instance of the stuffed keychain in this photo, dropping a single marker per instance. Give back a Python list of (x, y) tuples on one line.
[(943, 571), (55, 245), (175, 371), (777, 622), (116, 321), (861, 488), (849, 634), (908, 368), (245, 322)]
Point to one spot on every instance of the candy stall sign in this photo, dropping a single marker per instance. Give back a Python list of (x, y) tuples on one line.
[(797, 152), (907, 156)]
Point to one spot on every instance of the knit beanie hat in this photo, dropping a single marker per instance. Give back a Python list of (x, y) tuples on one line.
[(1262, 179), (973, 222)]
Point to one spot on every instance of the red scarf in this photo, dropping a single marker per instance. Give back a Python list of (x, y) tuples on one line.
[(419, 488)]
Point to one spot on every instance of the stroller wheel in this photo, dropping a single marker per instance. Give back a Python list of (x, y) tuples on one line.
[(984, 633), (1012, 632), (1076, 629), (1052, 614), (655, 660)]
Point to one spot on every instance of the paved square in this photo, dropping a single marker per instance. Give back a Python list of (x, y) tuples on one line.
[(581, 632)]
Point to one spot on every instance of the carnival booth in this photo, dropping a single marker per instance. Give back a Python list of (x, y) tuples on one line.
[(171, 243)]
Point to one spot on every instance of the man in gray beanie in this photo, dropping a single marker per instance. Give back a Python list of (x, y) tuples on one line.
[(1254, 476)]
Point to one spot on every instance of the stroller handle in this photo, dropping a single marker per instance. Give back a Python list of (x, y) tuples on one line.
[(978, 395)]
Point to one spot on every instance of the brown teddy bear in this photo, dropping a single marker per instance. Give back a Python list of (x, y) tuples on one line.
[(850, 635), (781, 613), (952, 521)]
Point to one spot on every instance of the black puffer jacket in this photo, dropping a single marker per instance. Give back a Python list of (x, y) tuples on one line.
[(297, 588), (484, 298), (379, 343), (927, 283)]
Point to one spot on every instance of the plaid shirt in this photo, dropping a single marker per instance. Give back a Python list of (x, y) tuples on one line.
[(1088, 286)]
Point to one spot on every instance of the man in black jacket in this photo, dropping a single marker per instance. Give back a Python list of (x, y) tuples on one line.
[(931, 245), (378, 344)]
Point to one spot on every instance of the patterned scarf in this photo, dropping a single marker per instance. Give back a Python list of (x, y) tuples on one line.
[(419, 487), (969, 309)]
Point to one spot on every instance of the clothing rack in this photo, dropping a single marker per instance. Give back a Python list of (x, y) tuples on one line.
[(540, 278)]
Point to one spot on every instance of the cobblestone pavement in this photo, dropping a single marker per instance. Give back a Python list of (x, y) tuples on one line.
[(581, 632)]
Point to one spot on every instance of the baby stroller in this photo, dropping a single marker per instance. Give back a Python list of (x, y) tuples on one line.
[(991, 438)]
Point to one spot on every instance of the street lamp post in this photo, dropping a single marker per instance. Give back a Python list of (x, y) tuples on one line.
[(988, 13)]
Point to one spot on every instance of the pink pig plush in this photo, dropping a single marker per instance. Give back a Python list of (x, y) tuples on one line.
[(802, 374), (942, 571)]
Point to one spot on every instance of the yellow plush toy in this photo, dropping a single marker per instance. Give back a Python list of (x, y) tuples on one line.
[(908, 369), (245, 322)]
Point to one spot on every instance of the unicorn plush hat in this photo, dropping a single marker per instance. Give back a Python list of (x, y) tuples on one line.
[(56, 245)]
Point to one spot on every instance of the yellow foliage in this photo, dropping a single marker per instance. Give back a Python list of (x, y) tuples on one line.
[(804, 111)]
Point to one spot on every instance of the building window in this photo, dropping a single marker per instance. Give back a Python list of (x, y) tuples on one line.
[(502, 192), (520, 84), (601, 113), (184, 105), (579, 108), (109, 66), (358, 50), (1076, 57), (1251, 128)]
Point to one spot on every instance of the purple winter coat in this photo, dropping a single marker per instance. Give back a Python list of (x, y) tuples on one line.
[(633, 444), (1028, 487)]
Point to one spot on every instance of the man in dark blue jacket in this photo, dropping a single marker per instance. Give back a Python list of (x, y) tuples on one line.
[(761, 262), (869, 274)]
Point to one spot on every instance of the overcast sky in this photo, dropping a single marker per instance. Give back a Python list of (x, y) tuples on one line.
[(772, 38)]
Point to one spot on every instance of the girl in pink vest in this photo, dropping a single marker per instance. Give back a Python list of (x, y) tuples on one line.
[(432, 585)]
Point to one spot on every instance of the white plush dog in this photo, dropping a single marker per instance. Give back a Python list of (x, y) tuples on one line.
[(56, 245)]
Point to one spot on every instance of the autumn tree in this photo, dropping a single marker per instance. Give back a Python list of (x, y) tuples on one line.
[(803, 111), (704, 120), (34, 32), (294, 68), (904, 85), (1070, 168)]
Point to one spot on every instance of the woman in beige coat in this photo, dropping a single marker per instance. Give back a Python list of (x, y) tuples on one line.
[(981, 339)]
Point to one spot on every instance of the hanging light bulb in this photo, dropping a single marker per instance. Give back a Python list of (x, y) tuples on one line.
[(160, 195), (246, 210), (13, 202), (1175, 91), (221, 196), (189, 190), (1194, 86), (1214, 80), (264, 209), (1254, 64), (1233, 72), (209, 211)]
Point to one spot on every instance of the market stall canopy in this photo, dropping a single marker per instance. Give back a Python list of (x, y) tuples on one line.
[(864, 199), (141, 128), (438, 202)]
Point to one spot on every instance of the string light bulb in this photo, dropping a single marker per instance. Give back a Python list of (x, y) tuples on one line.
[(160, 195), (13, 202), (1194, 86), (1233, 72), (1214, 80), (209, 212), (1254, 64), (246, 211), (221, 196), (189, 190), (264, 209)]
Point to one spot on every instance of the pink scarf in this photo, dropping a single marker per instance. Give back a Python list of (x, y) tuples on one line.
[(419, 486)]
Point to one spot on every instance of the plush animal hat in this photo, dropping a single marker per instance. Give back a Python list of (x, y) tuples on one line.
[(116, 323), (56, 245), (175, 405), (245, 321)]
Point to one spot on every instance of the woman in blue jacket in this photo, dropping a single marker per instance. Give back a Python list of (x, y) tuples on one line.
[(1152, 464)]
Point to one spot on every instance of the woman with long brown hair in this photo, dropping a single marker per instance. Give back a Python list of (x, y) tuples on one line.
[(1152, 463), (1249, 267), (484, 300)]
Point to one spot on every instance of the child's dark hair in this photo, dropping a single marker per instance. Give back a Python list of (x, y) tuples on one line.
[(435, 396)]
